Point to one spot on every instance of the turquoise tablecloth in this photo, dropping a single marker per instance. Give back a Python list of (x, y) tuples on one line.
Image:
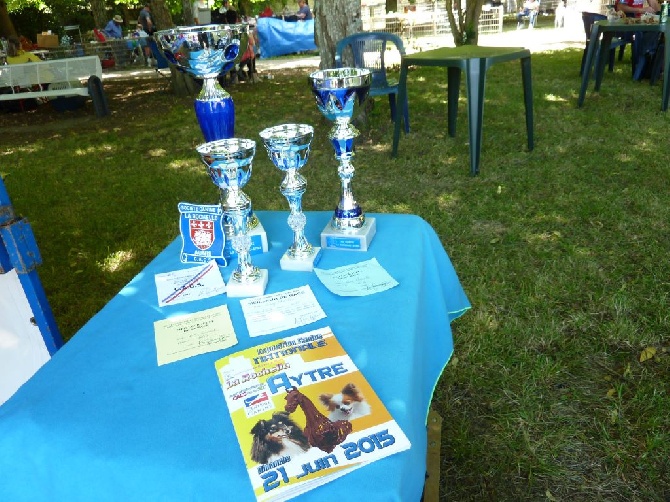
[(101, 421)]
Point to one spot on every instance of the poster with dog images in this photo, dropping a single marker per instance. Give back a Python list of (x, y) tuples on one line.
[(304, 414)]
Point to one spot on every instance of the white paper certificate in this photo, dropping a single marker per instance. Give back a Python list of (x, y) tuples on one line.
[(360, 279), (193, 334), (280, 311), (189, 284)]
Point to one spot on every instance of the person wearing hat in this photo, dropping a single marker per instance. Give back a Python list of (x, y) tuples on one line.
[(113, 28)]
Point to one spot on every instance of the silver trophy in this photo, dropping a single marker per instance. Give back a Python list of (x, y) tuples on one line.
[(336, 91), (229, 164), (288, 147), (206, 52)]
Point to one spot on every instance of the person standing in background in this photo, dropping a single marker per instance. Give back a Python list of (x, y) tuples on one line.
[(224, 14), (304, 14), (231, 14), (146, 20), (559, 15), (201, 12)]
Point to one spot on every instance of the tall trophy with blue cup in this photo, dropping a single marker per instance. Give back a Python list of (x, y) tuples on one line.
[(288, 146), (336, 92), (206, 52), (229, 165)]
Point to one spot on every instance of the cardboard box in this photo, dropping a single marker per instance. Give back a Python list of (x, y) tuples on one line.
[(47, 41)]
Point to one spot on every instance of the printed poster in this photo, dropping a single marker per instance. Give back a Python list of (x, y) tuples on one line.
[(304, 414)]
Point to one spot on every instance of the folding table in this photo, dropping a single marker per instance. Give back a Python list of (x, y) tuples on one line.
[(102, 421), (607, 30), (474, 61)]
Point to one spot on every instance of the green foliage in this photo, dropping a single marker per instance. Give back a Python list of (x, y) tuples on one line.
[(31, 17), (64, 10), (34, 16)]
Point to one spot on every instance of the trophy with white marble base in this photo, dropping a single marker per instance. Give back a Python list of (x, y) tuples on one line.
[(336, 91), (229, 163), (288, 147)]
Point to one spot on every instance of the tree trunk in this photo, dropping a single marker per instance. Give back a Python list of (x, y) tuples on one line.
[(6, 26), (181, 83), (332, 22), (99, 13), (244, 7), (161, 15), (187, 12), (465, 29)]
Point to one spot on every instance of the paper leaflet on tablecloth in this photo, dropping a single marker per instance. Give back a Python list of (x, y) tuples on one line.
[(360, 279), (189, 284), (305, 394), (280, 311), (190, 335)]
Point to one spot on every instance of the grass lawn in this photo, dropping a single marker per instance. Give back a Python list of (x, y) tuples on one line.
[(563, 252)]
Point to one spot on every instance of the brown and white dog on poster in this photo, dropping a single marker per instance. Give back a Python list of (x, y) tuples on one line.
[(347, 405), (278, 437)]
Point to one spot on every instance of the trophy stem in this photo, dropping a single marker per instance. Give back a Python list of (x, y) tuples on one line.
[(245, 272), (237, 207), (348, 214), (215, 110), (293, 187), (232, 198)]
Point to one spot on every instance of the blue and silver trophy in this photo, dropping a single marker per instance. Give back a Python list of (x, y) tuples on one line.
[(288, 146), (205, 52), (336, 91), (229, 165)]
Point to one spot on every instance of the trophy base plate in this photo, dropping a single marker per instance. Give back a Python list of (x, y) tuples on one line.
[(304, 264), (259, 243), (354, 239), (236, 289)]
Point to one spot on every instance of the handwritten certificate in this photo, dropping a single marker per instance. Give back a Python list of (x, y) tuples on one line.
[(193, 334), (189, 284), (280, 311), (360, 279)]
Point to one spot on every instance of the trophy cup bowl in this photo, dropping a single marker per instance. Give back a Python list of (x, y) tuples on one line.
[(288, 146), (229, 165), (205, 52), (336, 92)]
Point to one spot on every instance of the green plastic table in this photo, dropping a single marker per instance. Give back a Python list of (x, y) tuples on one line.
[(607, 30), (474, 61)]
